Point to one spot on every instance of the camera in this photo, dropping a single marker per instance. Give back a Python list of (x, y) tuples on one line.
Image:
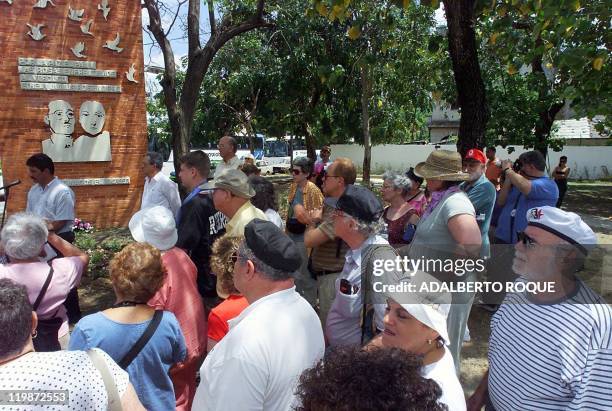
[(518, 164)]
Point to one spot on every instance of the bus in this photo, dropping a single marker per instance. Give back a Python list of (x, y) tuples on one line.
[(215, 158), (278, 150)]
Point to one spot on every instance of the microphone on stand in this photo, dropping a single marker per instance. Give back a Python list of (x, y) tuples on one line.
[(14, 183)]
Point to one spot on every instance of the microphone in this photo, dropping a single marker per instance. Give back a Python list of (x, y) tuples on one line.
[(14, 183)]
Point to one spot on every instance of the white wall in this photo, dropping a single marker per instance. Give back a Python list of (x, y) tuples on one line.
[(585, 162)]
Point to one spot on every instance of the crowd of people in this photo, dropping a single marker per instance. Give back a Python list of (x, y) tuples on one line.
[(221, 304)]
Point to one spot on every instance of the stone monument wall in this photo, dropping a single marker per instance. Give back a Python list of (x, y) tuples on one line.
[(85, 51)]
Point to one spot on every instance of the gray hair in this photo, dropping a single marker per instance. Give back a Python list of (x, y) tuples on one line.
[(272, 274), (155, 159), (369, 229), (23, 236), (15, 317), (399, 180)]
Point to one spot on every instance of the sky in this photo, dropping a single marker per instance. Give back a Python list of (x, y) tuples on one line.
[(152, 53)]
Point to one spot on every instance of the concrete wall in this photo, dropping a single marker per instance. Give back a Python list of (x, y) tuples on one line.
[(585, 162)]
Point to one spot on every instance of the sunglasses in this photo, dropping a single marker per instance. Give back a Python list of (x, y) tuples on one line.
[(296, 172), (525, 239)]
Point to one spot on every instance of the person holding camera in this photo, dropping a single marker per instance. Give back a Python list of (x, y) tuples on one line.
[(525, 187)]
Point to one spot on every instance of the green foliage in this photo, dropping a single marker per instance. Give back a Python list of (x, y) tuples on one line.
[(537, 55), (85, 241)]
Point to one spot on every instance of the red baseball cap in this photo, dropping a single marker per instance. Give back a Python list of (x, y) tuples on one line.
[(476, 154)]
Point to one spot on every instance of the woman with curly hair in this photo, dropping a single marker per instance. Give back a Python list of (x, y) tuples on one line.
[(352, 379), (222, 263), (137, 273)]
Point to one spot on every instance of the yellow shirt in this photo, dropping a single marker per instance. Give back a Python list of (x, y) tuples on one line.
[(244, 215)]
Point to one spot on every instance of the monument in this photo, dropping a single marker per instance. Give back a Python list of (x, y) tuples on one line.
[(71, 76)]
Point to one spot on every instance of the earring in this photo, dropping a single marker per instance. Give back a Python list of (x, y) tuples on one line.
[(35, 334), (429, 342)]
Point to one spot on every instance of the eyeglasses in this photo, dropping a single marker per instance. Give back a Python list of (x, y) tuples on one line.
[(525, 239), (296, 172)]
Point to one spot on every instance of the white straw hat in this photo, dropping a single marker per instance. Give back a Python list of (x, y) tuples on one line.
[(155, 226)]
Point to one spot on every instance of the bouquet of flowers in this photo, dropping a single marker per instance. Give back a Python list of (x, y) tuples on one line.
[(80, 225)]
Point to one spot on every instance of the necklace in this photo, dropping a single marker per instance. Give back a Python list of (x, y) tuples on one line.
[(127, 303), (14, 358)]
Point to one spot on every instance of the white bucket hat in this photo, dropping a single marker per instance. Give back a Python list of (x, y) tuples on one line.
[(428, 307), (155, 226)]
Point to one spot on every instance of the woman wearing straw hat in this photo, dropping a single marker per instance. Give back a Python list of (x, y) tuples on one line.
[(448, 230)]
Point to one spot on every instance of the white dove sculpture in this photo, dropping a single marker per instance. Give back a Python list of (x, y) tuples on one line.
[(103, 6), (75, 15), (85, 27), (130, 74), (78, 49), (112, 44), (8, 1), (41, 4), (35, 31)]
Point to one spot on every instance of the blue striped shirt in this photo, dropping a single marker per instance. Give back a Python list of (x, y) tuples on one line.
[(551, 356)]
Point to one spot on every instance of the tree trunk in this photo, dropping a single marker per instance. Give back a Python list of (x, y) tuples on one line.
[(366, 90), (470, 87), (181, 110), (547, 116), (311, 149)]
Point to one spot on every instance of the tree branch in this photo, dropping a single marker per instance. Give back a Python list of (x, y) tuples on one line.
[(211, 18), (193, 27)]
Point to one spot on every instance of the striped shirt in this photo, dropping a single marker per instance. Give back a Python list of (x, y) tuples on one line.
[(551, 356)]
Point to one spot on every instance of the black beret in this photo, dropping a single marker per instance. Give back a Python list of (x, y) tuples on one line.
[(358, 202), (272, 246)]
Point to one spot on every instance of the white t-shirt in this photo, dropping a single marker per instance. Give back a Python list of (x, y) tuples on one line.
[(159, 190), (63, 370), (274, 217), (55, 202), (443, 373), (233, 164), (256, 366)]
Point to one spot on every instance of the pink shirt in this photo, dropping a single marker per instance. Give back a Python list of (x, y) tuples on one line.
[(179, 295), (67, 273)]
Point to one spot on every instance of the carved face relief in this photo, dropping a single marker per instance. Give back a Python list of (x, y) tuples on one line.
[(60, 117), (91, 117)]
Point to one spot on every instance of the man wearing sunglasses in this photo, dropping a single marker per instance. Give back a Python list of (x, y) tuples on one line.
[(549, 349)]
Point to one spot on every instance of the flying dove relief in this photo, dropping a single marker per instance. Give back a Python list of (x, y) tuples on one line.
[(78, 49), (75, 15), (35, 31), (103, 6), (85, 27), (112, 45), (130, 74), (42, 4)]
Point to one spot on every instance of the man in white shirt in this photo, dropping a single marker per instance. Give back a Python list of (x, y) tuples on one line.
[(256, 366), (159, 190), (227, 149), (53, 201), (357, 221)]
